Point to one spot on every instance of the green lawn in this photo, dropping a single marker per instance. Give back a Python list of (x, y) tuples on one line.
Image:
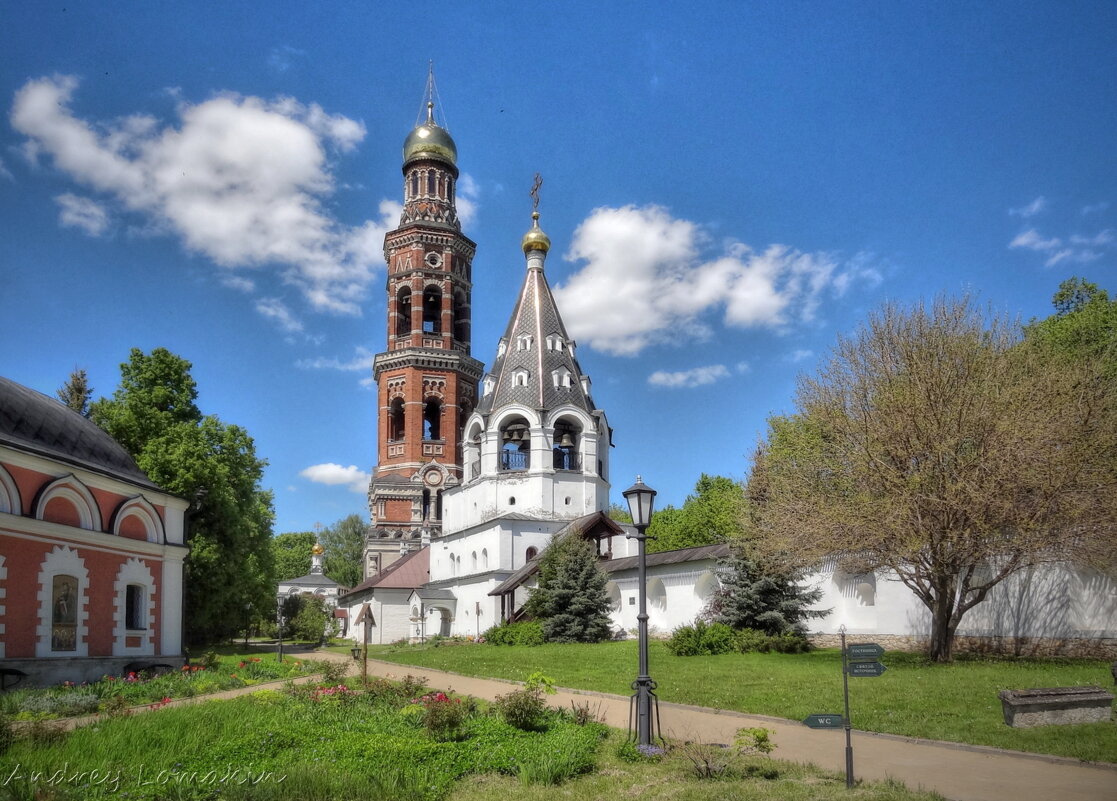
[(956, 702), (305, 744)]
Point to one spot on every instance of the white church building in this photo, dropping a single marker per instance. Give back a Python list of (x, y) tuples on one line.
[(478, 471)]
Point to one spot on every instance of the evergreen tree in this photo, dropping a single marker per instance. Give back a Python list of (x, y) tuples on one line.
[(570, 598), (76, 392), (758, 596)]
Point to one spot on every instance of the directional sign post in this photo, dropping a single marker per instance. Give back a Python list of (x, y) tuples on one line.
[(864, 650), (824, 721), (866, 669)]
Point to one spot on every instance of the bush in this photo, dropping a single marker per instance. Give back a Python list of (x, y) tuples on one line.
[(525, 633), (702, 639), (443, 716), (524, 709), (334, 672), (790, 642)]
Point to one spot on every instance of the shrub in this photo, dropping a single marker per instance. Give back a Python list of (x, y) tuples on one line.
[(701, 638), (210, 660), (524, 709), (334, 672), (443, 716), (789, 642), (526, 633)]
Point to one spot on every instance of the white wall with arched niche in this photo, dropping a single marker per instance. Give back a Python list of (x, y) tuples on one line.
[(139, 508), (136, 574), (70, 489), (65, 608), (9, 494)]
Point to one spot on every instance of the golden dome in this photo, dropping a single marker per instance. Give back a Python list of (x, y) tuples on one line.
[(317, 550), (535, 239), (429, 141)]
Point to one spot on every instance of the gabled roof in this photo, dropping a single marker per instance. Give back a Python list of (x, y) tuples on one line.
[(536, 316), (695, 554), (30, 421), (409, 571), (312, 580), (595, 524)]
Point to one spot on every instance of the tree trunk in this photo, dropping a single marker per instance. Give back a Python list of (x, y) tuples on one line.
[(943, 626)]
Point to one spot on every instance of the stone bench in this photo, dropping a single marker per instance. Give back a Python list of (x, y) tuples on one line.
[(1048, 706)]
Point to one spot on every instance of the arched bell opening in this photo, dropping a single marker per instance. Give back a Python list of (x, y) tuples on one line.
[(567, 444), (432, 419), (515, 444), (461, 317), (471, 449), (403, 312), (396, 420), (432, 310)]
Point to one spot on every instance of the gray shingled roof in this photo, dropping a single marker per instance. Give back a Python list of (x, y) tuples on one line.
[(32, 422), (536, 315)]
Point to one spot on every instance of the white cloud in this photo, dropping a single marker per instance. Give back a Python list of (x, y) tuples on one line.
[(742, 367), (238, 179), (1074, 256), (83, 213), (334, 475), (645, 281), (362, 360), (5, 173), (1094, 208), (695, 377), (799, 355), (1031, 240), (238, 282), (1030, 210), (276, 310), (1101, 239), (467, 195)]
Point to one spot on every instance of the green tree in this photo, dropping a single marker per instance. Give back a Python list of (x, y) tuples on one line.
[(153, 415), (712, 514), (1084, 325), (758, 595), (310, 622), (570, 598), (936, 447), (619, 513), (291, 554), (344, 543), (76, 392)]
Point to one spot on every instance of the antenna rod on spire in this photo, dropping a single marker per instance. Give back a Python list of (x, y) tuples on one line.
[(431, 99)]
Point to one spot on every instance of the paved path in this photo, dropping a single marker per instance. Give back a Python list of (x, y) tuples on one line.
[(959, 772)]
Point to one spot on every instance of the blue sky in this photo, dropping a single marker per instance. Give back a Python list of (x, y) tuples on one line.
[(728, 187)]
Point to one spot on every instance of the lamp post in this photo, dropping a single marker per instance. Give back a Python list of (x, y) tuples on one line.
[(640, 499)]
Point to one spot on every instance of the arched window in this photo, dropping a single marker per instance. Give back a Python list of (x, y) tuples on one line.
[(396, 420), (415, 184), (523, 342), (449, 188), (432, 310), (432, 182), (432, 419), (473, 561), (403, 312), (9, 494), (485, 558), (531, 553), (519, 378), (64, 614)]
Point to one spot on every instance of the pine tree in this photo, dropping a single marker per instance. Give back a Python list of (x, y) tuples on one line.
[(755, 596), (76, 392), (570, 598)]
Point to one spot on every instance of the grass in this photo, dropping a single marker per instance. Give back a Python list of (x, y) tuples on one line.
[(956, 702), (302, 745)]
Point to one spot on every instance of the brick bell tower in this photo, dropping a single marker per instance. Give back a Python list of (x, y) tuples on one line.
[(426, 380)]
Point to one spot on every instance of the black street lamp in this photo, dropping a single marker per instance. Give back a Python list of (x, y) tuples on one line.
[(641, 499)]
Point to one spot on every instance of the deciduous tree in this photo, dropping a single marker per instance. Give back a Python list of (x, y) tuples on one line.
[(153, 415), (344, 542), (938, 446), (291, 554), (712, 514)]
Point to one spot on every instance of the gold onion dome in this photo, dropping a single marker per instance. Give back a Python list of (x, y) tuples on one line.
[(535, 239), (429, 141), (317, 550)]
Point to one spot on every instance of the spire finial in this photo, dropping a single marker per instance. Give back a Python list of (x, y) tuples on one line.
[(535, 239)]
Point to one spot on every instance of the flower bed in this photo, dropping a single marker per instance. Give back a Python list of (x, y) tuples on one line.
[(215, 674)]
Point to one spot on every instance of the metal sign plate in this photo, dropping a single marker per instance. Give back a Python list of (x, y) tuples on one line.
[(824, 721), (864, 650), (866, 669)]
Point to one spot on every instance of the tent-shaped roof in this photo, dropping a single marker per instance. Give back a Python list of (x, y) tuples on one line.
[(408, 572)]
